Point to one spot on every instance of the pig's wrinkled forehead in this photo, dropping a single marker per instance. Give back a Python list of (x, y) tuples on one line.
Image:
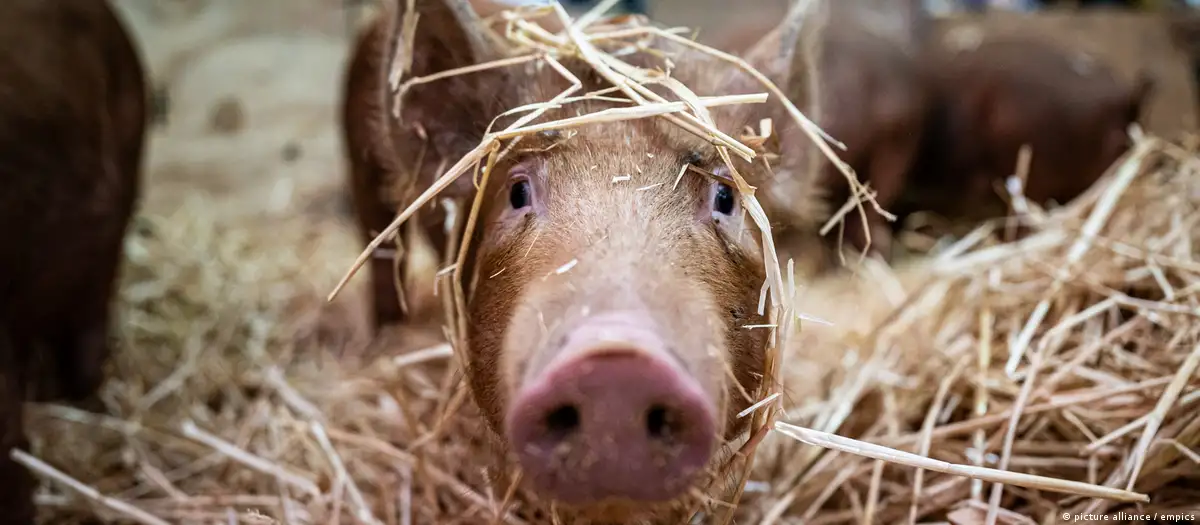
[(645, 155), (701, 73)]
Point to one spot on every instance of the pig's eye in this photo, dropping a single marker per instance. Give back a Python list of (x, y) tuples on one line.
[(518, 194), (723, 201)]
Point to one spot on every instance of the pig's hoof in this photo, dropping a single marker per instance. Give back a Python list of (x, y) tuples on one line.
[(614, 425)]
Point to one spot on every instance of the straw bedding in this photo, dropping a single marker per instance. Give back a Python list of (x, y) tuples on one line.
[(235, 394), (1098, 301), (238, 395)]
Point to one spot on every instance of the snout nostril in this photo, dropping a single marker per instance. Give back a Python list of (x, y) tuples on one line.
[(660, 423), (562, 421), (612, 425)]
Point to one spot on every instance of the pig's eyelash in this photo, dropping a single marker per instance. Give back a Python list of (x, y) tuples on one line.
[(717, 175)]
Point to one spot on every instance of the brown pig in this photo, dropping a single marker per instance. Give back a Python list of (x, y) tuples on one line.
[(874, 100), (72, 118), (1002, 92), (739, 37), (607, 305), (1183, 25)]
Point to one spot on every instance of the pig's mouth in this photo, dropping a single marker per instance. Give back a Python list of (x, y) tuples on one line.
[(612, 418)]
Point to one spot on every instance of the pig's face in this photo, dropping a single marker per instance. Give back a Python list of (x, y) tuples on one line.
[(608, 338), (610, 292)]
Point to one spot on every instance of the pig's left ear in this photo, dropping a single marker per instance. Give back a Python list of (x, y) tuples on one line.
[(788, 54), (451, 114)]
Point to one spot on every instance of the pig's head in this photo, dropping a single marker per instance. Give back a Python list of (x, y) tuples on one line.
[(607, 325), (609, 291)]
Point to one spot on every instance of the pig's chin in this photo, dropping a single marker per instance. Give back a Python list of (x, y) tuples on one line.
[(612, 419)]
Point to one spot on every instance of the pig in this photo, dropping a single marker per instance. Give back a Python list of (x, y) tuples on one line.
[(72, 121), (738, 38), (874, 99), (1006, 91), (1183, 24), (607, 345)]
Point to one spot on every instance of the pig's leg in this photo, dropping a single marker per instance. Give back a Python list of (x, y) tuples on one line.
[(16, 483), (82, 345), (82, 352), (374, 215)]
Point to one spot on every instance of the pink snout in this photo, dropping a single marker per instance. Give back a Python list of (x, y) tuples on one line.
[(613, 422)]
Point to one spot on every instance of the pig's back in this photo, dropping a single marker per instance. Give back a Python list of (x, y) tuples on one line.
[(870, 69), (1010, 92), (1035, 89), (1058, 82)]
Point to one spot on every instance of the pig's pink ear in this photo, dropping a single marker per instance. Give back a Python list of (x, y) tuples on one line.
[(441, 120), (788, 54)]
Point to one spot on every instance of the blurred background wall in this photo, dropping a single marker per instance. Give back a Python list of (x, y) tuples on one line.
[(250, 88)]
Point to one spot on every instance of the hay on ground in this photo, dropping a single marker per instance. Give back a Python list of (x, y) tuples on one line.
[(1070, 353), (231, 395)]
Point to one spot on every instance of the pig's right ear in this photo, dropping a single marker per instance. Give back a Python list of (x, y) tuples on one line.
[(788, 55), (439, 121)]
